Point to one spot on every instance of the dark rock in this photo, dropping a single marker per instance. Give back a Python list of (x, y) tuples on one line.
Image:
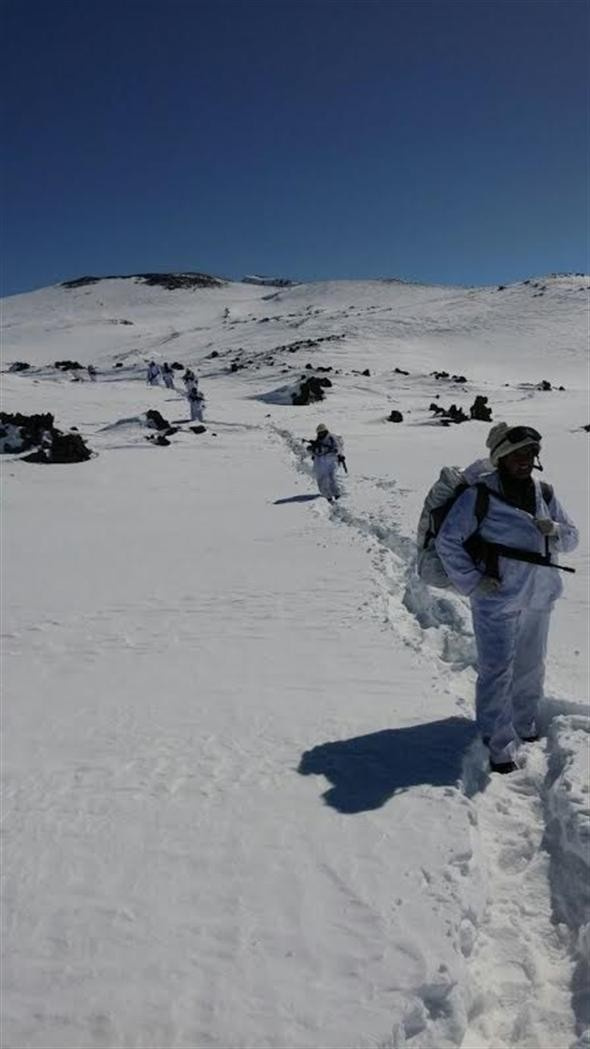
[(19, 366), (561, 387), (400, 371), (170, 281), (26, 431), (80, 282), (449, 415), (458, 378), (310, 390), (480, 410), (67, 365), (177, 367), (119, 364), (544, 385), (59, 447), (213, 354), (457, 415), (395, 417), (198, 429), (157, 420), (501, 287), (440, 375), (159, 439), (366, 372)]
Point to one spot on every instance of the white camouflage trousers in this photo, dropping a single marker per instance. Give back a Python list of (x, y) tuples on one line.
[(324, 468), (511, 651)]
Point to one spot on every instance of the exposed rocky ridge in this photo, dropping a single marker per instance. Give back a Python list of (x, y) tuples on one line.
[(170, 281)]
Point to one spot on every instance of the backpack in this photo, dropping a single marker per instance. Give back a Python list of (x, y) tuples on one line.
[(443, 494)]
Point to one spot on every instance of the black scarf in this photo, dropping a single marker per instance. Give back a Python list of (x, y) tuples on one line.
[(520, 494)]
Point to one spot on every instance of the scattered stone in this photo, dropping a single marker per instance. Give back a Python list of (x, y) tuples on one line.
[(544, 385), (400, 371), (445, 375), (501, 287), (198, 429), (19, 366), (449, 415), (119, 364), (177, 367), (213, 354), (159, 439), (395, 417), (67, 365), (366, 372)]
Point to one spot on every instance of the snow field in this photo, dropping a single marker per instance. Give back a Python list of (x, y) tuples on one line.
[(244, 805)]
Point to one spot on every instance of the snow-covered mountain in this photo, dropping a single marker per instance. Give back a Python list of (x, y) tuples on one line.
[(244, 804)]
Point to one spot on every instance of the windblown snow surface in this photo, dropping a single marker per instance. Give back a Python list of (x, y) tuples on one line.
[(244, 804)]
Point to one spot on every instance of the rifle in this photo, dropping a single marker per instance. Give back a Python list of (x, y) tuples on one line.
[(342, 461), (480, 549)]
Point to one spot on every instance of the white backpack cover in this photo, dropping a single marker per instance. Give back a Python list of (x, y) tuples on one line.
[(429, 565)]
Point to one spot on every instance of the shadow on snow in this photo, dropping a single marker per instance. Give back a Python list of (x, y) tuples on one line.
[(365, 772), (297, 499)]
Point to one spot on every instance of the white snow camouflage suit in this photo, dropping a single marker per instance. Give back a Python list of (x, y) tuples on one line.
[(511, 624), (325, 451)]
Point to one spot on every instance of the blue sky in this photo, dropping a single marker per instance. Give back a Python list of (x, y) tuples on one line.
[(443, 141)]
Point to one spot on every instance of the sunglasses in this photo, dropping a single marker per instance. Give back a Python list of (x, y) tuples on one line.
[(518, 434)]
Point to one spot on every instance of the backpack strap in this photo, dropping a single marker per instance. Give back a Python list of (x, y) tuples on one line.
[(482, 502), (547, 491)]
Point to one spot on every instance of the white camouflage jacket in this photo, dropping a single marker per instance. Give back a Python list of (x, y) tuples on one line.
[(523, 585)]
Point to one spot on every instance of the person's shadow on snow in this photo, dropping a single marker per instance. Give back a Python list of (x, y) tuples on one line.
[(297, 499), (367, 771)]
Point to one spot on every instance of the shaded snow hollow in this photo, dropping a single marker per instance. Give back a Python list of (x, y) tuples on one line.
[(244, 801)]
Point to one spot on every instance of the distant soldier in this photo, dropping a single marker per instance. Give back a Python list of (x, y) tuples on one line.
[(153, 374), (168, 375), (196, 402), (326, 452), (189, 379), (91, 373)]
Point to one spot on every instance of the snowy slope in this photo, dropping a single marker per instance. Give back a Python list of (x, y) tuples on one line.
[(244, 805)]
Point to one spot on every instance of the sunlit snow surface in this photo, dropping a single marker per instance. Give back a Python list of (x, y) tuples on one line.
[(244, 805)]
